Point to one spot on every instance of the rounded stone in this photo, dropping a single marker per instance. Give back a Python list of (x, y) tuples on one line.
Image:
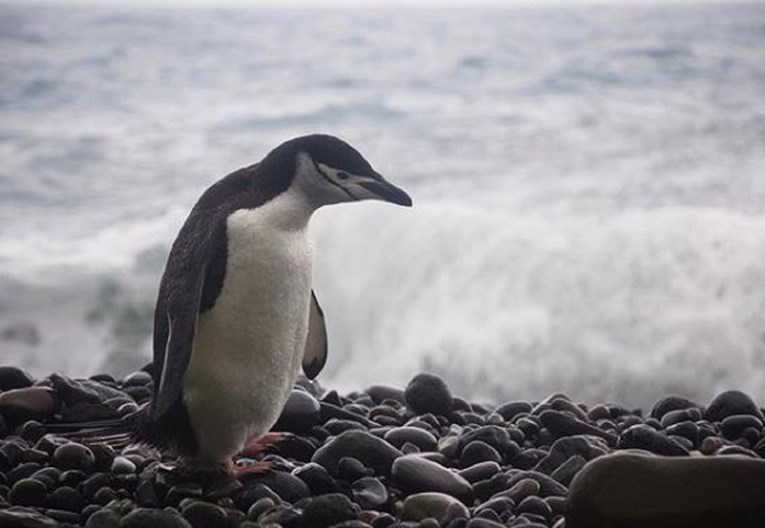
[(536, 506), (370, 450), (645, 437), (73, 456), (259, 506), (66, 498), (103, 518), (205, 515), (370, 493), (415, 474), (612, 491), (510, 410), (137, 378), (427, 393), (14, 378), (22, 517), (478, 451), (733, 426), (431, 505), (145, 517), (480, 471), (327, 510), (28, 492), (29, 403), (424, 440), (300, 413), (730, 403), (122, 466), (670, 403), (520, 490)]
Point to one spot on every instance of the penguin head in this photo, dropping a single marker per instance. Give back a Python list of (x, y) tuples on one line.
[(328, 170)]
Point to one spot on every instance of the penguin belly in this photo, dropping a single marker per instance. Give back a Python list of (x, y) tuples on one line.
[(248, 347)]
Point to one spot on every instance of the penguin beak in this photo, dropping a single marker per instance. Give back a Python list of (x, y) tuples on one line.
[(381, 189)]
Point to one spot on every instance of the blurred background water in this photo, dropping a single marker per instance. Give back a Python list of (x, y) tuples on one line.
[(589, 185)]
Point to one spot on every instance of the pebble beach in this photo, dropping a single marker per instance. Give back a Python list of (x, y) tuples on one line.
[(414, 457)]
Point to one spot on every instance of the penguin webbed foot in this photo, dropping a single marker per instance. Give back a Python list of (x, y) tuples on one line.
[(241, 471), (261, 443)]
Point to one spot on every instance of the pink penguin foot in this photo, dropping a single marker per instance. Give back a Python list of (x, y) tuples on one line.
[(262, 443), (239, 471)]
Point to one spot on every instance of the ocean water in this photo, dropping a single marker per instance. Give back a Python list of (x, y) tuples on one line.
[(589, 186)]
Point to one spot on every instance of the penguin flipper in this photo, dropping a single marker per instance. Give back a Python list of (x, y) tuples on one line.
[(181, 326), (315, 354)]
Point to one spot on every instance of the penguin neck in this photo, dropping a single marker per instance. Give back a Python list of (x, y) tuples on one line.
[(288, 211)]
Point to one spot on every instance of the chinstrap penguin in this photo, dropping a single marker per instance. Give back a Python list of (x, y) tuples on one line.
[(236, 316)]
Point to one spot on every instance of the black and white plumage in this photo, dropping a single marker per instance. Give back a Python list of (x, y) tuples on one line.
[(236, 316)]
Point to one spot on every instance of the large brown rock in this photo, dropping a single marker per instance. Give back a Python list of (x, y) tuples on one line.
[(628, 490)]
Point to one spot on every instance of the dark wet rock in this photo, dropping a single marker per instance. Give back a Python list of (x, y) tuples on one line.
[(688, 430), (536, 506), (566, 472), (281, 515), (30, 403), (63, 516), (480, 471), (183, 490), (74, 391), (23, 471), (327, 510), (733, 426), (730, 403), (87, 412), (28, 492), (250, 494), (104, 456), (122, 466), (73, 456), (736, 450), (35, 455), (547, 486), (287, 486), (20, 517), (519, 489), (495, 436), (671, 403), (329, 411), (146, 494), (105, 495), (66, 498), (138, 377), (369, 449), (497, 505), (611, 491), (14, 378), (647, 438), (205, 515), (380, 393), (103, 518), (431, 505), (336, 426), (317, 478), (477, 522), (300, 413), (92, 484), (561, 424), (145, 517), (72, 477), (350, 469), (478, 451), (370, 493), (259, 507), (681, 415), (415, 474), (424, 440), (427, 393)]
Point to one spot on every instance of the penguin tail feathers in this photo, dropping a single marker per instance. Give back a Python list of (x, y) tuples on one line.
[(171, 432), (116, 433)]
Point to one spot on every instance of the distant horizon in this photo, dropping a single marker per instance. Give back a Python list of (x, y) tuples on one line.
[(360, 4)]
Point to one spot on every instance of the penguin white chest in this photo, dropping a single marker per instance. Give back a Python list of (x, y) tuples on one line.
[(248, 347)]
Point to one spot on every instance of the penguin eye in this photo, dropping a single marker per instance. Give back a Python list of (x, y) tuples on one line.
[(342, 176)]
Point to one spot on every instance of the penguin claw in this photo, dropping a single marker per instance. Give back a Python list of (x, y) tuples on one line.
[(263, 442), (240, 471)]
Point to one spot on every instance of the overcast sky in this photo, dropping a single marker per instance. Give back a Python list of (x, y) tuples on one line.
[(357, 3)]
